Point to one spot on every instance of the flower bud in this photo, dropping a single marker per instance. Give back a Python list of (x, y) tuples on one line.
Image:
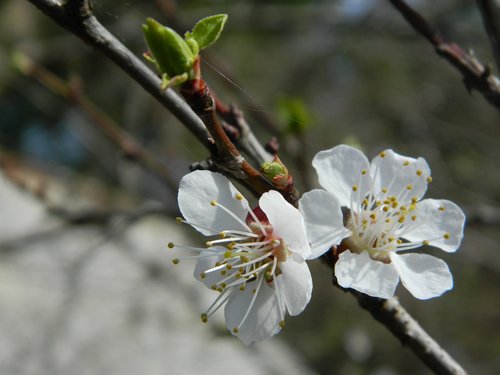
[(171, 53), (276, 172)]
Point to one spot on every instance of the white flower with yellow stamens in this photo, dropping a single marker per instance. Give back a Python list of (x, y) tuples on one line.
[(385, 217), (257, 263)]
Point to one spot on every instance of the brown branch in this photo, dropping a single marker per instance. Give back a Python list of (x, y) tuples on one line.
[(72, 92), (397, 320), (475, 74)]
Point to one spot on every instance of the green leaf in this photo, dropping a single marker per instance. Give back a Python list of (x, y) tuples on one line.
[(171, 53), (207, 30)]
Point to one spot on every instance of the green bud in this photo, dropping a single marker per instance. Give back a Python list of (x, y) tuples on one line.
[(276, 172), (171, 53), (207, 30)]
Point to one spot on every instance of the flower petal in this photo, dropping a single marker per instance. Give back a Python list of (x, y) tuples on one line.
[(263, 319), (339, 169), (440, 222), (205, 263), (360, 272), (423, 275), (287, 222), (196, 192), (402, 176), (296, 285), (324, 221)]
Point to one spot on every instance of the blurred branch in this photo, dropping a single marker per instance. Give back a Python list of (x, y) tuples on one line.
[(475, 74), (72, 92), (490, 11)]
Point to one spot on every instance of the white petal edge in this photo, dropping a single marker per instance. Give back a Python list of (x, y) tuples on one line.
[(360, 272), (396, 172), (296, 285), (435, 220), (264, 317), (423, 275), (339, 169), (324, 221), (196, 192), (287, 222)]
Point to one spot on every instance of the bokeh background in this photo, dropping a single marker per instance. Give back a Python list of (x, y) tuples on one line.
[(86, 283)]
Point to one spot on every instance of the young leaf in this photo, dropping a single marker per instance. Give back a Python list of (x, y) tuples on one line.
[(207, 30), (170, 52)]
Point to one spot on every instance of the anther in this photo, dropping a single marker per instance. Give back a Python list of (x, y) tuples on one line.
[(203, 275), (179, 220), (384, 190), (204, 317), (382, 154), (355, 188), (235, 330), (213, 203), (414, 217), (170, 245), (419, 172), (363, 172), (282, 324), (429, 179), (425, 242), (446, 236), (406, 163), (409, 187), (441, 208), (175, 261), (238, 196)]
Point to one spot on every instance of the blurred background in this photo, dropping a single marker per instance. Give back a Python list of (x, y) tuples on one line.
[(86, 282)]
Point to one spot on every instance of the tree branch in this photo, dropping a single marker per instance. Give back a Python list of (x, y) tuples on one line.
[(72, 92), (475, 74), (397, 320)]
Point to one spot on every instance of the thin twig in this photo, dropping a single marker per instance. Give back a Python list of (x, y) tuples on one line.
[(72, 92), (476, 75)]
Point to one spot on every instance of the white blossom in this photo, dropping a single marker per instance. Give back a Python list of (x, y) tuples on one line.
[(385, 218), (256, 262)]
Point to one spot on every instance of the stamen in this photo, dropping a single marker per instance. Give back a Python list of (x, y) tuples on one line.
[(230, 213), (251, 303)]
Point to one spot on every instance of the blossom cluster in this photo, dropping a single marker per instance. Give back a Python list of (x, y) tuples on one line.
[(370, 214)]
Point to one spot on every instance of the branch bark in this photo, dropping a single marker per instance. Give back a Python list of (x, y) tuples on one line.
[(475, 75)]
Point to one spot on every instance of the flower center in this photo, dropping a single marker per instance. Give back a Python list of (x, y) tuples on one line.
[(243, 258)]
